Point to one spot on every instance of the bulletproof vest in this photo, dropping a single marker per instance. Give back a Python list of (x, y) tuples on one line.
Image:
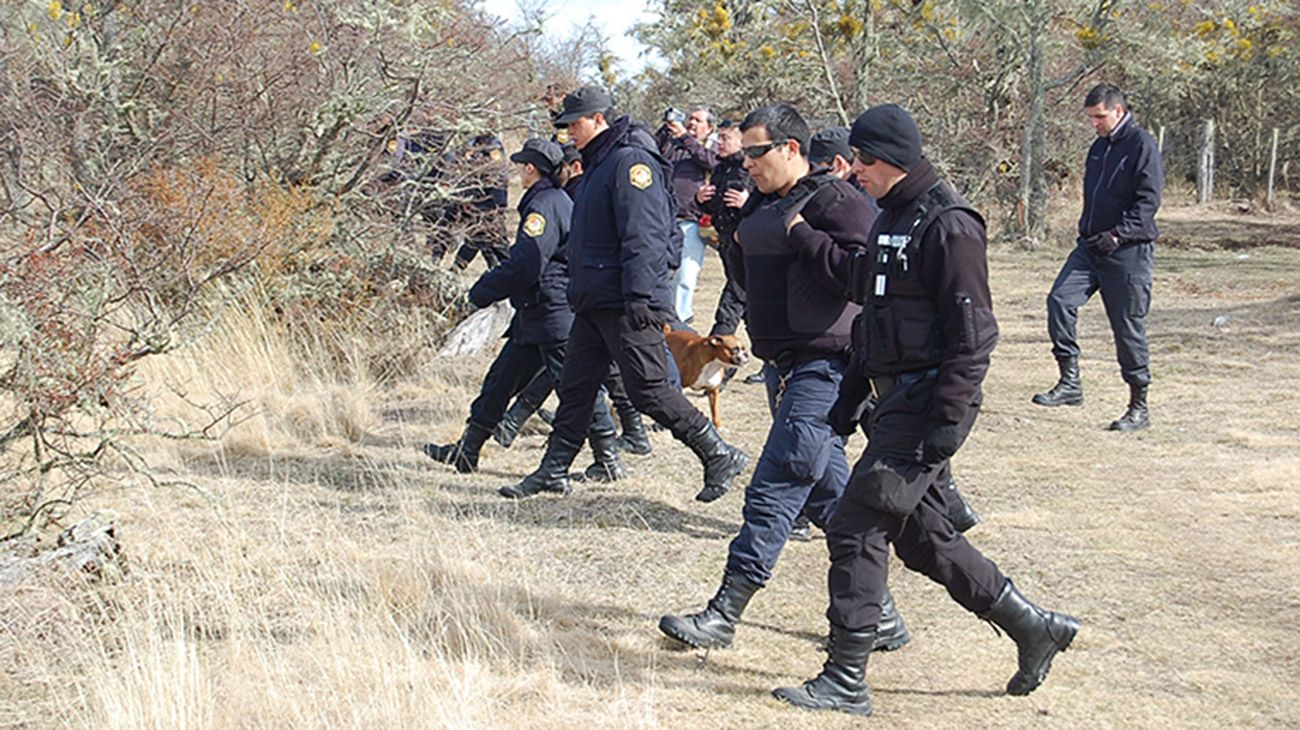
[(899, 329), (784, 302)]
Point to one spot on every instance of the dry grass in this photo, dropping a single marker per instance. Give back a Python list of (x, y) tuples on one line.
[(335, 577)]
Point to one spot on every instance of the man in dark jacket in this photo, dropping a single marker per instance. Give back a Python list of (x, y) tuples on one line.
[(793, 252), (722, 199), (685, 144), (620, 251), (1117, 232), (534, 277), (921, 344)]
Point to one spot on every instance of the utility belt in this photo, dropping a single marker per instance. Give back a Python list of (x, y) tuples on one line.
[(882, 385), (787, 359)]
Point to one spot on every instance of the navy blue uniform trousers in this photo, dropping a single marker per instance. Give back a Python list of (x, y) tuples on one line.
[(803, 463), (514, 368), (1124, 280)]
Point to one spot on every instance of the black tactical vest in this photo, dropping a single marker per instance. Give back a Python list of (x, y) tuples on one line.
[(899, 329), (784, 303)]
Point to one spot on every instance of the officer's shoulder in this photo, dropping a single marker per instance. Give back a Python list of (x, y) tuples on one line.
[(961, 222)]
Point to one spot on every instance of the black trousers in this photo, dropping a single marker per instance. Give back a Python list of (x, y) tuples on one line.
[(894, 498), (731, 303), (602, 337), (1124, 280), (515, 367), (536, 392)]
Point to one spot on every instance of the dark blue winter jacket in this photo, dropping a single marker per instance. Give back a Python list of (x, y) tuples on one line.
[(1121, 185)]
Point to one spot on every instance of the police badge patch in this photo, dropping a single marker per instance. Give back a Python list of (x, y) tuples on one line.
[(534, 225), (640, 176)]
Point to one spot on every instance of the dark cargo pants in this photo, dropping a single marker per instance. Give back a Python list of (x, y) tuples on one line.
[(515, 367), (1124, 280)]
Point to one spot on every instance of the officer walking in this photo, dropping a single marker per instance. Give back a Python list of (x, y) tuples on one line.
[(533, 277), (923, 342), (620, 248), (1122, 181), (794, 254)]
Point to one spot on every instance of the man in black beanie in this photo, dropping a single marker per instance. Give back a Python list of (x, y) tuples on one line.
[(921, 346)]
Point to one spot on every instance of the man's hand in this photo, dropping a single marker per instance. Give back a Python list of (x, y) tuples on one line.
[(640, 315), (796, 220), (846, 413), (735, 198), (676, 129), (1102, 244), (706, 193), (941, 442)]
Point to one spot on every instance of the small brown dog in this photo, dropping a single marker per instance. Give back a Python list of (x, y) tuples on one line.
[(703, 360)]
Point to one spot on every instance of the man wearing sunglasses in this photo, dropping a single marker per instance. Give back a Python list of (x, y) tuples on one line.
[(921, 345), (620, 249), (793, 256)]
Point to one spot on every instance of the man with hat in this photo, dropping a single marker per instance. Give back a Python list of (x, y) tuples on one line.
[(534, 277), (921, 346), (620, 250)]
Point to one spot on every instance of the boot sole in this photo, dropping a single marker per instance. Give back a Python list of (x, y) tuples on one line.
[(788, 696), (1072, 629), (671, 630), (1052, 404)]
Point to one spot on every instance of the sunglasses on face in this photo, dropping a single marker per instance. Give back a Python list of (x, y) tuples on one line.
[(867, 160), (756, 151)]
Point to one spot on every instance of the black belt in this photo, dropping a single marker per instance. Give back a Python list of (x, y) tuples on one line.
[(881, 385)]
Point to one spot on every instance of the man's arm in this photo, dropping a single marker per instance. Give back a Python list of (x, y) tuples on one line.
[(703, 156), (1138, 223), (643, 217), (535, 243), (827, 258)]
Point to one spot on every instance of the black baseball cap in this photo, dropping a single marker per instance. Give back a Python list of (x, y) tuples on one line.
[(830, 142), (583, 103), (545, 155)]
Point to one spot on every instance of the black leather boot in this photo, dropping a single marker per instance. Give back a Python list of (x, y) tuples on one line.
[(1136, 417), (891, 632), (715, 626), (553, 473), (634, 439), (960, 513), (1068, 391), (607, 466), (462, 454), (722, 462), (842, 684), (1038, 634), (508, 429)]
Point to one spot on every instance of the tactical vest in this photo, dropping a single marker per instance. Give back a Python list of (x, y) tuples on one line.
[(784, 303), (899, 329)]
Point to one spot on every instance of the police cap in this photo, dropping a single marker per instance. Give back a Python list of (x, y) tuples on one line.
[(545, 155), (583, 103)]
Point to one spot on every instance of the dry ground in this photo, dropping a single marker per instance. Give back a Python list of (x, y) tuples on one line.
[(355, 582)]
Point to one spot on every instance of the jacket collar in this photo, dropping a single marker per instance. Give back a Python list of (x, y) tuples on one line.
[(920, 179), (543, 184), (600, 147), (1123, 129)]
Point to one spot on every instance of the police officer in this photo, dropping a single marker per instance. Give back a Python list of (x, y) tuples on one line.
[(620, 249), (794, 256), (922, 345), (1117, 232), (533, 277), (724, 196)]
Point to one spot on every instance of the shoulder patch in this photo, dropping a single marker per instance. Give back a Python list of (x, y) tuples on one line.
[(535, 224), (640, 176)]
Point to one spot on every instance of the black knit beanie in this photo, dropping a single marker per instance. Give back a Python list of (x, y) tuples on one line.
[(887, 132)]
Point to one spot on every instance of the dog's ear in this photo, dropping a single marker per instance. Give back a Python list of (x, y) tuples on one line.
[(715, 341)]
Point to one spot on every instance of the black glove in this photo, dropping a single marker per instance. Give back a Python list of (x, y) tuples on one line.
[(1102, 244), (640, 315), (850, 404), (941, 442)]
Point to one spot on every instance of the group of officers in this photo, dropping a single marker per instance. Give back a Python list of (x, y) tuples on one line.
[(863, 282)]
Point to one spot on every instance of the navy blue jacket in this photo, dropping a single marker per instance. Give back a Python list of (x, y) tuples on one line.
[(621, 245), (1121, 185), (535, 275)]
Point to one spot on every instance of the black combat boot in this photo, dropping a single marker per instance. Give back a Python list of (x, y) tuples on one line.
[(607, 466), (891, 632), (553, 473), (462, 454), (722, 462), (634, 439), (842, 685), (1136, 417), (715, 626), (1038, 634), (1068, 391), (960, 513), (508, 429)]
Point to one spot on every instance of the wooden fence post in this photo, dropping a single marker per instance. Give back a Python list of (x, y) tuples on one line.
[(1272, 167), (1205, 170), (1160, 141)]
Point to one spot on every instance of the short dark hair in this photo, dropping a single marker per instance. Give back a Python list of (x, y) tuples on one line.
[(782, 122), (1108, 95)]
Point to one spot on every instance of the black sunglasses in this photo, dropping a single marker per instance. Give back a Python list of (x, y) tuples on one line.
[(758, 150), (867, 160)]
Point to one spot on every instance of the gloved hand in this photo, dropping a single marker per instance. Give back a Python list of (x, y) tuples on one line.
[(1102, 244), (941, 442), (850, 404), (640, 315)]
